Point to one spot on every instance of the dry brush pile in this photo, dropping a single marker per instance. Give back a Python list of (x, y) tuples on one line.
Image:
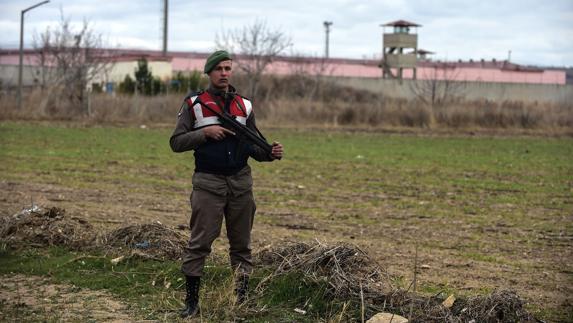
[(45, 227), (39, 227), (351, 275), (153, 239)]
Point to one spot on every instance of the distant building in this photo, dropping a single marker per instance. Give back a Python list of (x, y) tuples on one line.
[(126, 64), (165, 66), (122, 63)]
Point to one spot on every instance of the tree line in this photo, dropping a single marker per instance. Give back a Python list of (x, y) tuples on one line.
[(145, 83)]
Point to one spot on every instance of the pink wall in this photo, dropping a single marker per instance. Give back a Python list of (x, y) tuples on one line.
[(476, 74), (329, 69), (487, 72), (462, 73), (14, 59), (286, 68), (187, 64)]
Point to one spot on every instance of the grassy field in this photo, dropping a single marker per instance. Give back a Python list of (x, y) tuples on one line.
[(146, 287), (484, 212)]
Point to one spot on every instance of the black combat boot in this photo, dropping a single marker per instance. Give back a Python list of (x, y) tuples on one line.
[(192, 297), (241, 288)]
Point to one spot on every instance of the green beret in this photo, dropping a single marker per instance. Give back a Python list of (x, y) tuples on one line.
[(215, 59)]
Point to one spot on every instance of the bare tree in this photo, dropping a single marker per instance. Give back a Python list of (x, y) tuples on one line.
[(440, 86), (310, 74), (70, 60), (255, 47)]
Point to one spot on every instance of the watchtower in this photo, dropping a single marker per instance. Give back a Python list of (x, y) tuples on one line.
[(395, 44)]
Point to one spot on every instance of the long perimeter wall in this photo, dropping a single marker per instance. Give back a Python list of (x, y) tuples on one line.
[(408, 89)]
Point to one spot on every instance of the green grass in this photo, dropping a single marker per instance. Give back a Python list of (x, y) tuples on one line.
[(488, 200), (481, 257), (74, 156), (534, 172), (130, 280), (142, 283), (328, 175)]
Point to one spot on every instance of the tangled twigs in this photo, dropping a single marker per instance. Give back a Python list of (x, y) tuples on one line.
[(154, 240), (53, 227), (353, 276), (344, 267), (45, 227)]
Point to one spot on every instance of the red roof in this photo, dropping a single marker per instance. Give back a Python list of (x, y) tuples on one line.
[(402, 23)]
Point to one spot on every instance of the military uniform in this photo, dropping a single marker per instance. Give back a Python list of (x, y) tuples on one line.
[(222, 182)]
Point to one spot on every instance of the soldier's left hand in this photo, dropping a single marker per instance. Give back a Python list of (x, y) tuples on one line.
[(278, 150)]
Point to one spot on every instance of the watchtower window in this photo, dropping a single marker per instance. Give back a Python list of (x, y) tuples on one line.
[(401, 30)]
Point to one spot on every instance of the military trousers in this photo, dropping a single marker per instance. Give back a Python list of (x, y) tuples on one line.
[(214, 198)]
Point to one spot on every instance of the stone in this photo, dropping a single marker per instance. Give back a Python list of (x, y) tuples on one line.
[(387, 318)]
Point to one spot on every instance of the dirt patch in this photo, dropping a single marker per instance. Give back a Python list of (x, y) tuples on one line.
[(29, 298), (105, 208)]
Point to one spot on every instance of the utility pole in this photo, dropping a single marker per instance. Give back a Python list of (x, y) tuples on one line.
[(165, 20), (327, 25), (21, 53)]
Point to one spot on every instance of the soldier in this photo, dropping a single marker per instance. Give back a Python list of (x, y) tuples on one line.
[(222, 182)]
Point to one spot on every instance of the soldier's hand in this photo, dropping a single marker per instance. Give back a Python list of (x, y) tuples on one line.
[(277, 151), (216, 132)]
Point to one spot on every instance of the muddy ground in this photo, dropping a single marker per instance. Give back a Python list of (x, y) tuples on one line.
[(36, 299), (540, 275)]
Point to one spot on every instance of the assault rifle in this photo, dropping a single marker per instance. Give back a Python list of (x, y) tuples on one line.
[(242, 131)]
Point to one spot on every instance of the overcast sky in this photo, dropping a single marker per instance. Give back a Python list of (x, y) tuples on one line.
[(536, 32)]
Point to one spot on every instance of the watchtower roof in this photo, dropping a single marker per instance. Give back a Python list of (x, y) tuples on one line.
[(401, 23)]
